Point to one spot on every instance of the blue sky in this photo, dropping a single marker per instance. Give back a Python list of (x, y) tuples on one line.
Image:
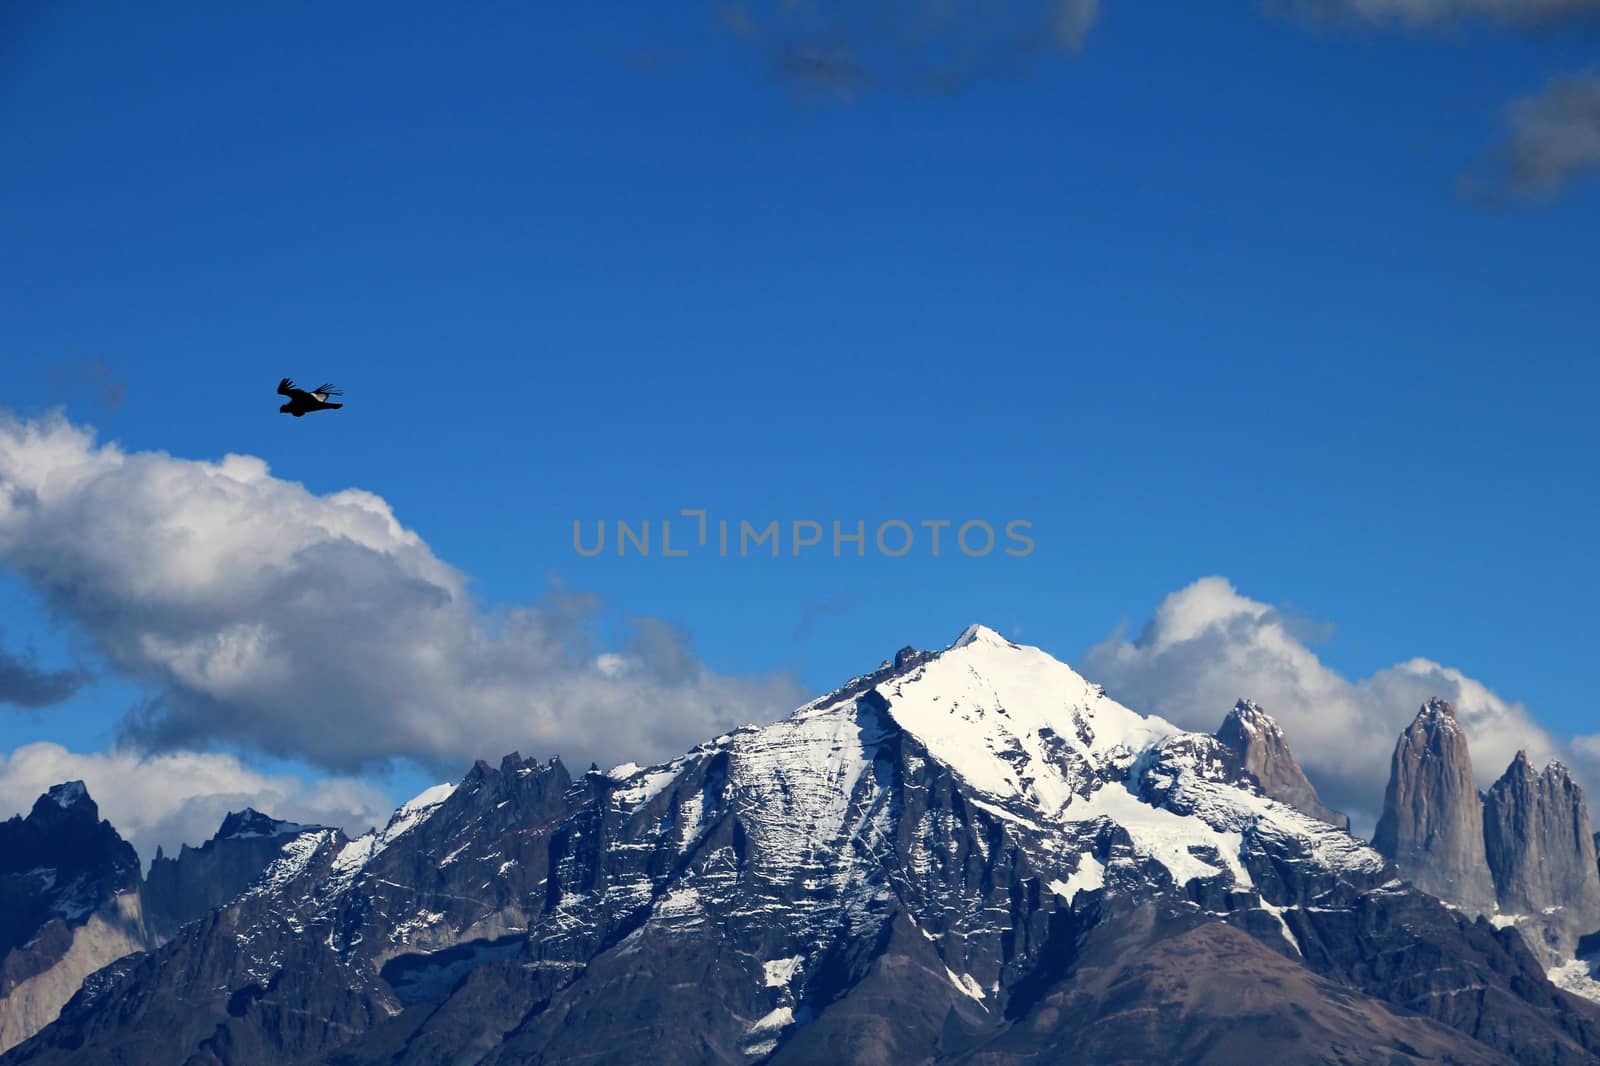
[(1201, 298)]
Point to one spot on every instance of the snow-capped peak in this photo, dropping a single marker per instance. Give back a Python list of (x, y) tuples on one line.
[(1016, 723), (1044, 747)]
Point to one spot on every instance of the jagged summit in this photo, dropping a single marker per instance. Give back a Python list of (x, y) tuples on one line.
[(1261, 746), (1251, 714), (70, 794), (64, 836), (1541, 856), (64, 832), (1249, 718), (69, 799), (1522, 765), (252, 823), (1439, 713)]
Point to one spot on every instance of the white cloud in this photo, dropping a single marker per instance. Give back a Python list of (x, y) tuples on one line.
[(1207, 645), (262, 615), (179, 798)]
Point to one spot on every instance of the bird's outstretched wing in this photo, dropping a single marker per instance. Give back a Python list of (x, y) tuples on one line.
[(322, 392), (286, 388)]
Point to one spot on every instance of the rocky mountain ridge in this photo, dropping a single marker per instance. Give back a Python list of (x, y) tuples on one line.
[(971, 855)]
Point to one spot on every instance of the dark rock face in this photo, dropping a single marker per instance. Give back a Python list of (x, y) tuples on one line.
[(179, 890), (1541, 853), (1432, 822), (59, 864), (971, 858), (1214, 995), (1257, 739), (1412, 952), (69, 904)]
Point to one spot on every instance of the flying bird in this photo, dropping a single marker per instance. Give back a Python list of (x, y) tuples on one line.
[(301, 401)]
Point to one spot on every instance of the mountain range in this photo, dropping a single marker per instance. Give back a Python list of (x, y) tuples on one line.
[(973, 855)]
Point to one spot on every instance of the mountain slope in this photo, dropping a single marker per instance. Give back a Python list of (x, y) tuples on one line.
[(918, 866), (1169, 988)]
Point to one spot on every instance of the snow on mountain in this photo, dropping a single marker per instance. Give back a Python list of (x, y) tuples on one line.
[(1016, 723), (1038, 747), (357, 853), (943, 831), (1052, 749), (425, 800)]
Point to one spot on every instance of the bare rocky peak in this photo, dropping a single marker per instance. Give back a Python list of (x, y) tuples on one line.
[(1259, 742), (1432, 822), (1541, 853)]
